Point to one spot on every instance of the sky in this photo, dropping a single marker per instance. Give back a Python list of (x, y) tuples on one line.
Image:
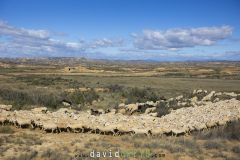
[(161, 30)]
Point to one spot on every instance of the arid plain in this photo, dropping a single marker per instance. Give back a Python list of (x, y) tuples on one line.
[(129, 89)]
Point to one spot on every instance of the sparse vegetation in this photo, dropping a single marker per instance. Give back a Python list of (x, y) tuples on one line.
[(115, 88), (29, 86), (134, 95), (40, 80), (236, 149), (55, 155), (213, 145), (230, 132), (162, 109), (25, 156), (25, 98), (21, 139), (79, 97), (6, 130)]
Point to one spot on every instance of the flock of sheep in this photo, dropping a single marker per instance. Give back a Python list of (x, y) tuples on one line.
[(203, 113)]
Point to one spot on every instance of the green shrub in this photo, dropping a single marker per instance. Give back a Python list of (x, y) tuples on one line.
[(79, 97), (43, 81), (162, 109), (115, 88), (134, 95), (40, 80), (75, 84), (172, 103), (20, 98)]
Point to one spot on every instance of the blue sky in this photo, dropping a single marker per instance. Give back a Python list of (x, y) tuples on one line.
[(162, 30)]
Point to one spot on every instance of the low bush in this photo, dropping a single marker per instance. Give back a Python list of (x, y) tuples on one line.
[(231, 132), (79, 97), (173, 148), (137, 144), (55, 155), (40, 80), (189, 144), (222, 97), (213, 145), (25, 156), (75, 84), (236, 149), (28, 139), (238, 97), (115, 88), (152, 145), (134, 95), (20, 98), (6, 130), (162, 109), (201, 95), (220, 155), (175, 74), (43, 81)]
